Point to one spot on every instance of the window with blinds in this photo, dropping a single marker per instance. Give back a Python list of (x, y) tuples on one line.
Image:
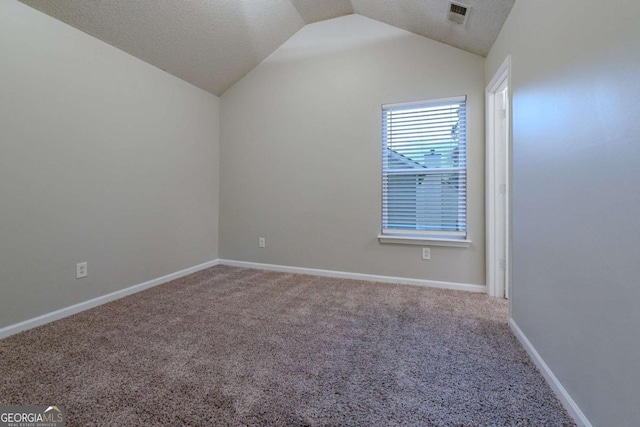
[(424, 169)]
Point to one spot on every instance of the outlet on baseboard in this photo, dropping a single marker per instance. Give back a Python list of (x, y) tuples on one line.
[(81, 270), (262, 243), (426, 253)]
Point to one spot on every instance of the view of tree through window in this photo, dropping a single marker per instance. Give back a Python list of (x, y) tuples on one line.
[(424, 168)]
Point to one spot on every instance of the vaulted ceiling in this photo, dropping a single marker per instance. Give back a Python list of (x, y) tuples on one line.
[(214, 43)]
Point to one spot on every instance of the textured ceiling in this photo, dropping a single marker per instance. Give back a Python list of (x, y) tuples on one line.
[(428, 18), (214, 43)]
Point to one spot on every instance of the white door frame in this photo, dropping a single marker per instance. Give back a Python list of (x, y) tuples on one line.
[(494, 288)]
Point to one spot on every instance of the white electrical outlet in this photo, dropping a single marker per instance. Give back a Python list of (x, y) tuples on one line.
[(81, 270), (426, 253), (262, 243)]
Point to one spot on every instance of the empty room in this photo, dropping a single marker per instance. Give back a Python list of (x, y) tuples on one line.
[(319, 213)]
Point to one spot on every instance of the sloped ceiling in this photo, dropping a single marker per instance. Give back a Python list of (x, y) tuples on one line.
[(214, 43)]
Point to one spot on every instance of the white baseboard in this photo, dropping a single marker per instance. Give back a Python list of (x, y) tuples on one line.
[(86, 305), (356, 276), (569, 404)]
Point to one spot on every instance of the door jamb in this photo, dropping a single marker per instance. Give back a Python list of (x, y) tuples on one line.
[(492, 261)]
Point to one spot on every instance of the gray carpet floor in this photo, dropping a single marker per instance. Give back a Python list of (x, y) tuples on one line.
[(236, 347)]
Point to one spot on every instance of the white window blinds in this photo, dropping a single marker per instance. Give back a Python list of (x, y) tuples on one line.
[(424, 168)]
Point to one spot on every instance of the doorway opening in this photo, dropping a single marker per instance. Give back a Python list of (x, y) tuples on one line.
[(498, 177)]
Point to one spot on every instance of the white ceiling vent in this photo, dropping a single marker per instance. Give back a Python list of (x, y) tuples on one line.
[(458, 13)]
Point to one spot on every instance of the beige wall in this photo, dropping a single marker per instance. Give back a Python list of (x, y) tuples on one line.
[(104, 159), (301, 155), (576, 169)]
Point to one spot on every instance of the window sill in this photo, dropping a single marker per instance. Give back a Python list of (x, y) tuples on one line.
[(424, 241)]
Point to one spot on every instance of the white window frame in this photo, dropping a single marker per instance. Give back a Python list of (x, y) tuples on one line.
[(418, 237)]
